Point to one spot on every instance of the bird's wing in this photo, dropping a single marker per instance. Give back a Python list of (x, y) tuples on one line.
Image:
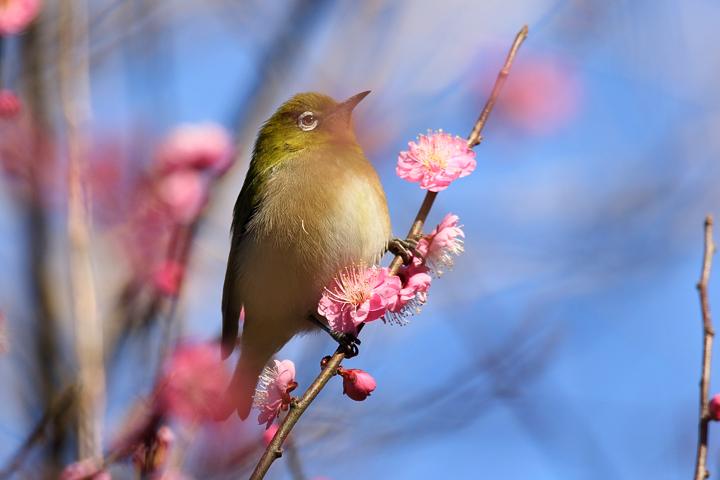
[(245, 207)]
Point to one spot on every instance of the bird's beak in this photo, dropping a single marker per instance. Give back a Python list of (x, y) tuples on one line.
[(349, 104)]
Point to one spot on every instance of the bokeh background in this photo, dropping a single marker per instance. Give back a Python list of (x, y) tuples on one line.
[(565, 343)]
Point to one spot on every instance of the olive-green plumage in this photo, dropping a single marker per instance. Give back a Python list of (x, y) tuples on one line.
[(311, 204)]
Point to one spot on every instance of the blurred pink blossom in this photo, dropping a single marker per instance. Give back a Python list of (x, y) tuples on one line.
[(184, 194), (203, 146), (167, 278), (193, 380), (269, 433), (15, 15), (359, 294), (714, 407), (273, 390), (541, 96), (436, 160), (440, 247), (87, 469), (10, 104), (357, 384)]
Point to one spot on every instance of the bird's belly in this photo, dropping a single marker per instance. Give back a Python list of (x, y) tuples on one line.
[(303, 239)]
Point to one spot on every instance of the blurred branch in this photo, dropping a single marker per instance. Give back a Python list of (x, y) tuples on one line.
[(75, 97), (46, 349), (274, 449), (56, 409), (701, 471)]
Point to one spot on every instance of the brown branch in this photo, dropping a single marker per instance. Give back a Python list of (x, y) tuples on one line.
[(701, 471), (274, 449)]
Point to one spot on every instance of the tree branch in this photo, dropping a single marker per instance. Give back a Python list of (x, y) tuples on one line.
[(701, 471), (274, 449)]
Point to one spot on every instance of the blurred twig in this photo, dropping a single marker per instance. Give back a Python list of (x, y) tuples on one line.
[(701, 471), (274, 449), (55, 410)]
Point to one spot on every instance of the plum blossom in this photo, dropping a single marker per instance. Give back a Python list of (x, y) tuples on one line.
[(273, 390), (15, 15), (202, 146), (10, 104), (442, 245), (184, 194), (360, 294), (167, 278), (193, 380), (87, 469), (436, 160), (357, 384), (714, 407), (412, 296)]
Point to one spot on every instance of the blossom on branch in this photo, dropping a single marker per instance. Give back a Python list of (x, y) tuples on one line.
[(442, 245), (167, 278), (15, 15), (273, 390), (10, 104), (193, 380), (412, 296), (357, 384), (436, 160), (360, 294), (203, 146)]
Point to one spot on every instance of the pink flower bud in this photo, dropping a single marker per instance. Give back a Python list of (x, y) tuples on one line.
[(168, 278), (357, 384), (270, 433), (714, 407), (15, 15), (9, 104)]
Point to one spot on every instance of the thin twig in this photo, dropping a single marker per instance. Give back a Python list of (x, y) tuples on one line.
[(701, 471), (274, 449)]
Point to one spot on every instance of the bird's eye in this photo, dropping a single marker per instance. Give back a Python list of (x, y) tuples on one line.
[(307, 121)]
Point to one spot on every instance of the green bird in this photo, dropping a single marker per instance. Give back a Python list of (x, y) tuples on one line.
[(311, 204)]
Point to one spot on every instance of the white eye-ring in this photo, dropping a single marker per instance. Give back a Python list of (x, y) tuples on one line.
[(307, 121)]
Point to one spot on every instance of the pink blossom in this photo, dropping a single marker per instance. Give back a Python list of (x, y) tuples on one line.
[(359, 294), (15, 15), (413, 294), (167, 278), (714, 407), (273, 391), (203, 146), (442, 245), (10, 104), (193, 380), (184, 194), (357, 384), (87, 469), (269, 433), (436, 160)]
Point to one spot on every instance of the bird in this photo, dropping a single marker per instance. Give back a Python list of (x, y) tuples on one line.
[(311, 204)]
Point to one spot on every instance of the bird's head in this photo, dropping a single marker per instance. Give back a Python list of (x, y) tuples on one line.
[(307, 120)]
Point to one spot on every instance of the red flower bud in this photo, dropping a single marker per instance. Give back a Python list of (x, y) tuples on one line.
[(357, 384), (714, 407)]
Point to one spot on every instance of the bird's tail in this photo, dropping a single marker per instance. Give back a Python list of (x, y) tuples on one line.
[(240, 393)]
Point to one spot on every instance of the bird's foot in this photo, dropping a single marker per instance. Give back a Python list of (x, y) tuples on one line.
[(405, 248), (347, 341)]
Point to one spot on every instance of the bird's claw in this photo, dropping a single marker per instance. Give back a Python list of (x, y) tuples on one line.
[(348, 343), (405, 248)]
